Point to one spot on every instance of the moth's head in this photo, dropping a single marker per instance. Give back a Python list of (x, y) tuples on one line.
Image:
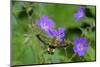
[(51, 51)]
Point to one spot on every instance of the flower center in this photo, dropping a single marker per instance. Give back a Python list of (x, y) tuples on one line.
[(80, 46)]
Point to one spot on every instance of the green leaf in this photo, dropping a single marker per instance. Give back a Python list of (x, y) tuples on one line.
[(90, 55)]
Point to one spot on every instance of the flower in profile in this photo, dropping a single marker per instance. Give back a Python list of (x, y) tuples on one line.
[(79, 14), (44, 23), (59, 34), (80, 46), (47, 25)]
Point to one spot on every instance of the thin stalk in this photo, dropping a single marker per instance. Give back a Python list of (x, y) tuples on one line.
[(72, 57)]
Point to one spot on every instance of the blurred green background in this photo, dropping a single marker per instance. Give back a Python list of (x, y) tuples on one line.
[(27, 49)]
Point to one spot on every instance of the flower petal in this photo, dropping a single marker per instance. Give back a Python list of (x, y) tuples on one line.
[(80, 53), (80, 46), (51, 32), (80, 9), (38, 23), (61, 32), (75, 49), (82, 40), (43, 19), (79, 14), (85, 47), (76, 41)]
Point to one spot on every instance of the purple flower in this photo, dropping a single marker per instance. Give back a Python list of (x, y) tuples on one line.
[(80, 46), (79, 14), (59, 34), (44, 23), (47, 24)]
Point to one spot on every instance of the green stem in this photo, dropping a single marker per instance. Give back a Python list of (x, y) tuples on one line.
[(72, 57)]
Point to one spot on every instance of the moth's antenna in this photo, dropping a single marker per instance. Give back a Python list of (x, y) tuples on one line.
[(39, 38)]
